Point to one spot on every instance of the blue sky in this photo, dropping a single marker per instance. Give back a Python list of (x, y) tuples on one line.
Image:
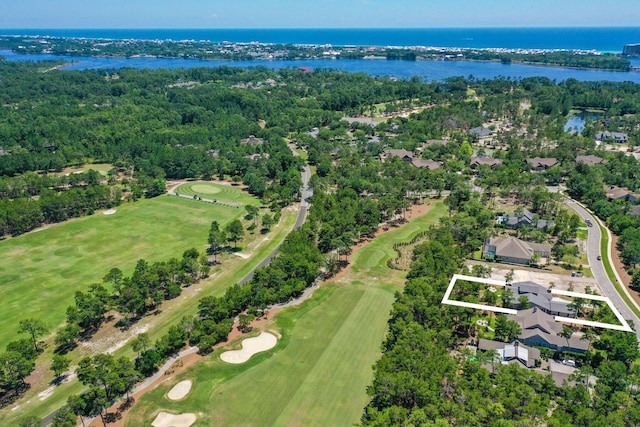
[(316, 13)]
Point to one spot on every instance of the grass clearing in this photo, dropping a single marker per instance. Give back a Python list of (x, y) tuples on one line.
[(318, 373)]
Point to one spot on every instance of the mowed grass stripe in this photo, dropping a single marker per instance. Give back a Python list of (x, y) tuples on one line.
[(41, 271), (342, 373), (318, 372)]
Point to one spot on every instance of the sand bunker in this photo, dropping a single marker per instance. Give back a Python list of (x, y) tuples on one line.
[(263, 342), (180, 390), (109, 212), (169, 420)]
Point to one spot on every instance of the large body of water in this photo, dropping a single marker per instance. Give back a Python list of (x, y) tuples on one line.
[(426, 70), (603, 39)]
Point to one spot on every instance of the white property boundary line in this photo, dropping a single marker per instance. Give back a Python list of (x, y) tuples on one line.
[(446, 300)]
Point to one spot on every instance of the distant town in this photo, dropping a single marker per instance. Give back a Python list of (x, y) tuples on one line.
[(207, 50)]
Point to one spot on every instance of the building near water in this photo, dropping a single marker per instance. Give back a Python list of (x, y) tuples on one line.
[(631, 49)]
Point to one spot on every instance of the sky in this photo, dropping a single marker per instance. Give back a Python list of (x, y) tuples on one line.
[(80, 14)]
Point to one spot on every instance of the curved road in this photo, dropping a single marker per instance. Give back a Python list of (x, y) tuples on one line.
[(597, 267)]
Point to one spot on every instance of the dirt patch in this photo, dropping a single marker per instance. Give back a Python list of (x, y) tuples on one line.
[(241, 255), (46, 393), (562, 282)]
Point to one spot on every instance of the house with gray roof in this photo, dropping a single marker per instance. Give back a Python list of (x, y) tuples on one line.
[(252, 140), (515, 351), (313, 133), (480, 131), (527, 219), (635, 211), (541, 330), (591, 160), (478, 161), (406, 156), (540, 297), (513, 250), (618, 137), (614, 192), (426, 164), (542, 163)]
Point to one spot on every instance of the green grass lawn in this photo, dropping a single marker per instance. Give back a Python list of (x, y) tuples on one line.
[(318, 373), (223, 193), (42, 270)]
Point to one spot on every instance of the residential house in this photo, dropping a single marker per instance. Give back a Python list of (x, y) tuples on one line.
[(374, 139), (313, 133), (480, 131), (512, 250), (258, 156), (591, 160), (614, 192), (425, 163), (515, 351), (541, 297), (406, 156), (478, 161), (542, 163), (635, 211), (618, 137), (541, 330), (252, 140), (526, 219)]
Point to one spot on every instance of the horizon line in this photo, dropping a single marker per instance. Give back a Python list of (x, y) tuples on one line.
[(325, 28)]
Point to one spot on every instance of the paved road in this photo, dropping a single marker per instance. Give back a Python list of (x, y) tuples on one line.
[(597, 267), (305, 194)]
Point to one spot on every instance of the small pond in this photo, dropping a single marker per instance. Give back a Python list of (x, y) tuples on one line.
[(577, 122)]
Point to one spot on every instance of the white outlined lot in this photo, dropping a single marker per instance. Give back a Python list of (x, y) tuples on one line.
[(447, 300)]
